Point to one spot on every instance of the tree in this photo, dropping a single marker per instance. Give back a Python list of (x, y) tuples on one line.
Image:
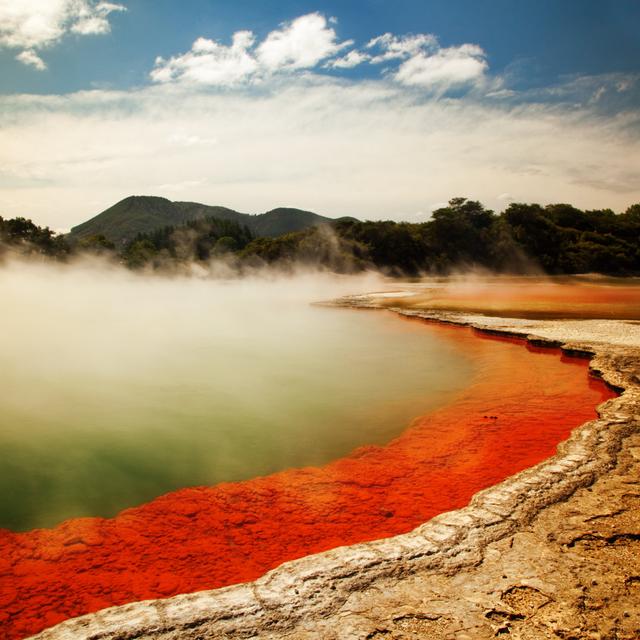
[(96, 244)]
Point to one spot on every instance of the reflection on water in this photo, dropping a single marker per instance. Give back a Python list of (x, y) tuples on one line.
[(117, 389)]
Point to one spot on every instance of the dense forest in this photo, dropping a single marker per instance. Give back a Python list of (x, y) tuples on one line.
[(557, 238), (197, 240), (21, 236)]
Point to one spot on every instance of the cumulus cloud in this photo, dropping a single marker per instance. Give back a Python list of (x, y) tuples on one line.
[(349, 60), (446, 68), (31, 25), (93, 19), (299, 44), (424, 63), (310, 42), (210, 62), (31, 58), (391, 47)]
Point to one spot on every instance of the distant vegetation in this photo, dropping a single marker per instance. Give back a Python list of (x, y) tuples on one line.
[(23, 237), (558, 238), (198, 240)]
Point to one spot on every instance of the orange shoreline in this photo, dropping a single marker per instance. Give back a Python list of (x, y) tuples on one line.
[(520, 297), (521, 403)]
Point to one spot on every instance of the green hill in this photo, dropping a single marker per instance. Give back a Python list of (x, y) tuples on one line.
[(283, 220), (144, 214)]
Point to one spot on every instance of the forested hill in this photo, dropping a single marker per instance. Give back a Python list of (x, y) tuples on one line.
[(557, 239), (146, 214)]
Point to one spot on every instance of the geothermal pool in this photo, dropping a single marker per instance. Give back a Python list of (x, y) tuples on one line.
[(321, 427), (116, 391)]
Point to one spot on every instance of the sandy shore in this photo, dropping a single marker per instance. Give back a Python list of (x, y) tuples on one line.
[(553, 552)]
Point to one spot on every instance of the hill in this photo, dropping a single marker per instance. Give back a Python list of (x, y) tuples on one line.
[(144, 214)]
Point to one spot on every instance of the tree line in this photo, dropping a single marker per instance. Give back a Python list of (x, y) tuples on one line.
[(557, 238)]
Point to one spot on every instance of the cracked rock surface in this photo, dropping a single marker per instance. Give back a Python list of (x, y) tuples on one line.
[(552, 552), (572, 572)]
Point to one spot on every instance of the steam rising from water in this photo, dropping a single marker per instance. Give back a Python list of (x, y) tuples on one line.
[(118, 387)]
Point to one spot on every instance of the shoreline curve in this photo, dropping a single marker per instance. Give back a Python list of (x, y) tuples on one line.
[(298, 596)]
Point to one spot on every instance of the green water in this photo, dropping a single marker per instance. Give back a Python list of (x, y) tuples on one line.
[(116, 390)]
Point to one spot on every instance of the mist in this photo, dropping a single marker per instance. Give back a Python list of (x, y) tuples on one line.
[(118, 386)]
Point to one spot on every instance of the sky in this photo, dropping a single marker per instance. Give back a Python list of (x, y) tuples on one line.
[(370, 108)]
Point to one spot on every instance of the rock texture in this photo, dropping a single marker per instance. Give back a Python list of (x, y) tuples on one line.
[(553, 552)]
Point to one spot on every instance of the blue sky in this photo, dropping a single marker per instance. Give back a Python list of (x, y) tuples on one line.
[(540, 42), (391, 108)]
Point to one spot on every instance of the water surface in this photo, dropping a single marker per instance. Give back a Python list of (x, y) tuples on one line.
[(519, 404), (117, 389)]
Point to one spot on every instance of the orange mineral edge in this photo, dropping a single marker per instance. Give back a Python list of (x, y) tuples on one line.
[(520, 404)]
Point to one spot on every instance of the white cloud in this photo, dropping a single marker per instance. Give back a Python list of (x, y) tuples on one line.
[(348, 61), (391, 47), (422, 61), (300, 44), (450, 67), (310, 42), (36, 24), (31, 24), (65, 158), (31, 58), (94, 19), (210, 62)]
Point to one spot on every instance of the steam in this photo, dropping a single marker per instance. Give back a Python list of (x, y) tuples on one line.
[(118, 386)]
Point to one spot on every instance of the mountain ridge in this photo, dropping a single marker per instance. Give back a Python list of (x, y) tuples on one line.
[(133, 215)]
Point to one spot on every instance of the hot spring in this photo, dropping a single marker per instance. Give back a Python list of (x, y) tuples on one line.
[(177, 435), (117, 389)]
